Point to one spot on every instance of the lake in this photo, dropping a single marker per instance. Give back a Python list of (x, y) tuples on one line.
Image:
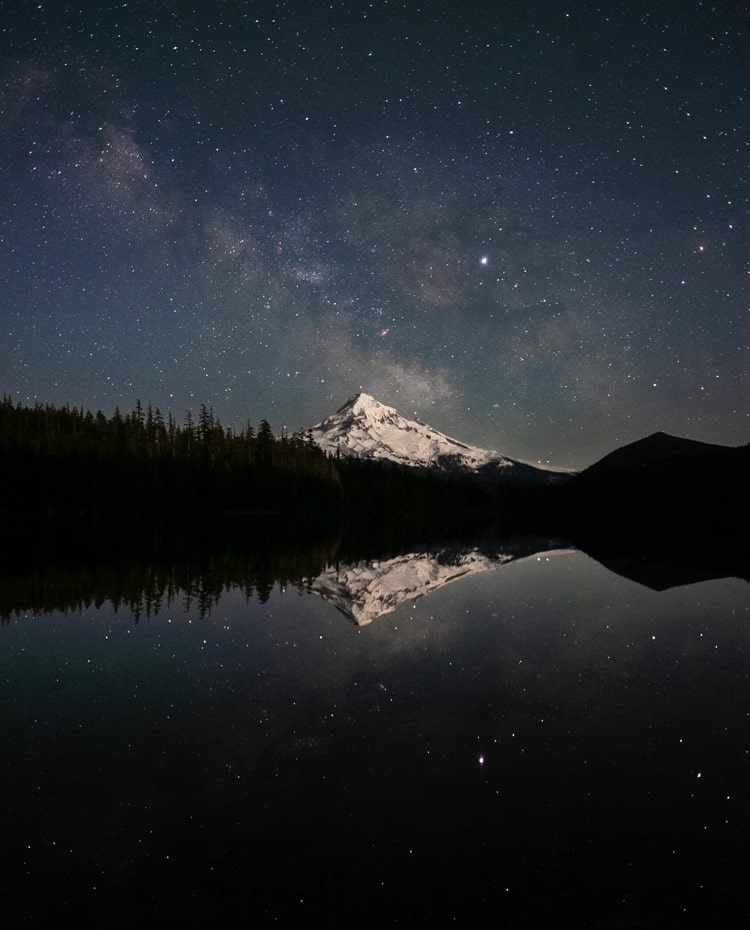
[(513, 735)]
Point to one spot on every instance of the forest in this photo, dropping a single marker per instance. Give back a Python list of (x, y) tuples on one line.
[(140, 468), (140, 471)]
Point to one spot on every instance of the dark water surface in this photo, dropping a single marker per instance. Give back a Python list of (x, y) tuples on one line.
[(539, 743)]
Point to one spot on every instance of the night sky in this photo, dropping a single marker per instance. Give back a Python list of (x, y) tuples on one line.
[(523, 222)]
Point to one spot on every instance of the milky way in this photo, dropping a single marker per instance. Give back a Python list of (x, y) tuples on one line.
[(524, 223)]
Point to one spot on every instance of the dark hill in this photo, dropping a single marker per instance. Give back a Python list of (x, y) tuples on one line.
[(663, 481), (658, 451)]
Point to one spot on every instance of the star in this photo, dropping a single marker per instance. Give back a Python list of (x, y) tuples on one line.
[(339, 232)]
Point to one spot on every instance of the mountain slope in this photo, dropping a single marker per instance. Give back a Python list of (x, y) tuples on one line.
[(659, 450), (662, 481), (367, 429)]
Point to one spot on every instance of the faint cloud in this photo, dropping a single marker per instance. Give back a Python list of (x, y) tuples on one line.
[(233, 247), (21, 90), (406, 383), (117, 176), (433, 273)]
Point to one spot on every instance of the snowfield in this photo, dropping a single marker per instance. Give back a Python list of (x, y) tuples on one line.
[(365, 428)]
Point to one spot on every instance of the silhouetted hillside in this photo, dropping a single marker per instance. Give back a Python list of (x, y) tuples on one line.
[(654, 452), (664, 478), (142, 469)]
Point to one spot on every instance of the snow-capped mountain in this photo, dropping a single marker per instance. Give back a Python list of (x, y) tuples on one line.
[(365, 428)]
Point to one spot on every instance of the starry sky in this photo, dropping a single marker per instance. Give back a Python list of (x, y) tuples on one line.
[(523, 222)]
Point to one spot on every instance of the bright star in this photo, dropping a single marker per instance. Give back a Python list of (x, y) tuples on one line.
[(484, 260)]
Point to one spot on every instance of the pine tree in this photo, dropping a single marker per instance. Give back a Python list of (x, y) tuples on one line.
[(264, 443)]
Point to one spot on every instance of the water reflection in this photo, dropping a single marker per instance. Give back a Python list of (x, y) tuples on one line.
[(537, 741), (144, 579), (367, 589), (361, 584)]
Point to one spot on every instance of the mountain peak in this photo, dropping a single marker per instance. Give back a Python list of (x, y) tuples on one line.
[(658, 447), (365, 428), (363, 402)]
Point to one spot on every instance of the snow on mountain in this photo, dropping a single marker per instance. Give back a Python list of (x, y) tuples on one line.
[(365, 428)]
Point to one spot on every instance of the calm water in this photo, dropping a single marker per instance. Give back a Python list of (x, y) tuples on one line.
[(541, 742)]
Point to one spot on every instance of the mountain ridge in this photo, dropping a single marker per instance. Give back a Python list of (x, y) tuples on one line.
[(365, 428), (658, 447), (667, 482)]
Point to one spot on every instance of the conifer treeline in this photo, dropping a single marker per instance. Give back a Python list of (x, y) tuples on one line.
[(59, 431), (66, 461)]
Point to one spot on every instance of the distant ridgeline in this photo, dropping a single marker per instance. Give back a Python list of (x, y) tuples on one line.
[(139, 469), (69, 463)]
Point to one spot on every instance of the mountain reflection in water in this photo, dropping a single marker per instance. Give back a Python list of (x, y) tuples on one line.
[(365, 590), (512, 739), (362, 588)]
